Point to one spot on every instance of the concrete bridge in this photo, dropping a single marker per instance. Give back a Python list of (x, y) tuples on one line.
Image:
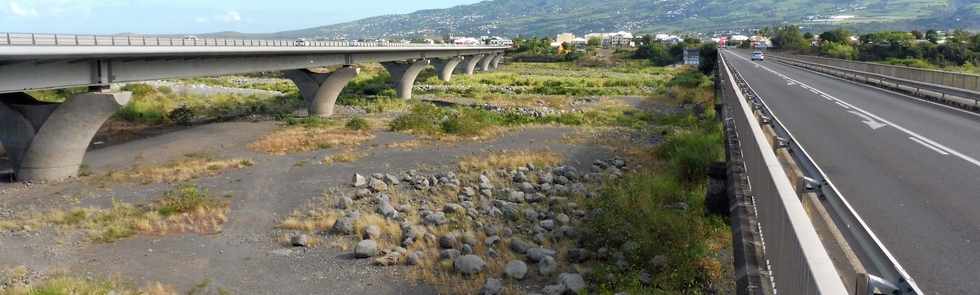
[(47, 141)]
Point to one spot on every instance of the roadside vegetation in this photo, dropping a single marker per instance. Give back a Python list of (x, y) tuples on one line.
[(313, 133), (655, 216), (957, 51), (186, 209)]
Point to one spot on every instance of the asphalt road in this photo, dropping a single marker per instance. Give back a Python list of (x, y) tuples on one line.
[(908, 167)]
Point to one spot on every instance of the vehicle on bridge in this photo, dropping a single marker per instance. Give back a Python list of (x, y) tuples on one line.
[(758, 55), (300, 42)]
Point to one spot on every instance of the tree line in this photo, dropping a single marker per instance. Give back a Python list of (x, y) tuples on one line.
[(927, 49)]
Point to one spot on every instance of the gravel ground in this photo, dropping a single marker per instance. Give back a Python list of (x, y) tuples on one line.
[(245, 257)]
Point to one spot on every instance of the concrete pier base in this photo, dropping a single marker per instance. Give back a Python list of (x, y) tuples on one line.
[(47, 141), (403, 75), (485, 62), (472, 62), (495, 63), (446, 67), (320, 90)]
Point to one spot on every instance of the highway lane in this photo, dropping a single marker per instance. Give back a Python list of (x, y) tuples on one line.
[(908, 167)]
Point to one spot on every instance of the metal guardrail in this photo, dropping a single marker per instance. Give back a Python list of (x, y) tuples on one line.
[(33, 39), (886, 275), (794, 255), (936, 77), (961, 89)]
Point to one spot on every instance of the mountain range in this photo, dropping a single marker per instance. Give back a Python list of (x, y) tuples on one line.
[(549, 17)]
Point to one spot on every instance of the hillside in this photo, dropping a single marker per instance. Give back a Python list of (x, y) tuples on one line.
[(548, 17)]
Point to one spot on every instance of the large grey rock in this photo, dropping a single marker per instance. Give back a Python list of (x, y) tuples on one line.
[(515, 196), (372, 232), (562, 218), (437, 218), (377, 185), (366, 249), (344, 226), (359, 180), (548, 224), (448, 254), (300, 240), (469, 264), (521, 246), (553, 289), (538, 254), (515, 269), (492, 287), (526, 187), (414, 259), (344, 203), (391, 179), (447, 241), (547, 265), (386, 210), (572, 282)]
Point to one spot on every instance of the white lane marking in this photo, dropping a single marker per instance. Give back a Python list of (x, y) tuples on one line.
[(923, 143), (874, 125), (944, 148), (827, 97), (842, 105)]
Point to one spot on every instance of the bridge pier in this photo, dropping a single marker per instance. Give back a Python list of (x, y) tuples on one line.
[(472, 62), (403, 74), (48, 141), (495, 63), (320, 90), (446, 67), (485, 62)]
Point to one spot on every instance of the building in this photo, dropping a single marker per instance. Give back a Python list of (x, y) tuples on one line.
[(564, 38), (692, 56), (498, 41), (613, 40), (465, 41)]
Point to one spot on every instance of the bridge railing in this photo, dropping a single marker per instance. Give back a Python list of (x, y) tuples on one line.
[(33, 39), (799, 260)]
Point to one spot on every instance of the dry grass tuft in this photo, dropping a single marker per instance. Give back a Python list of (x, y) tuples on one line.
[(186, 210), (305, 139), (345, 156), (18, 281), (509, 160), (313, 221), (194, 166)]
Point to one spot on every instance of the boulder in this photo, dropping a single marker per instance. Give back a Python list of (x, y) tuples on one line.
[(538, 254), (572, 282), (359, 180), (366, 249), (547, 266), (469, 264), (377, 185), (492, 287), (515, 269)]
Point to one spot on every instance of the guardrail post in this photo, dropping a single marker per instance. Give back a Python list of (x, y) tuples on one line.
[(33, 39), (8, 39)]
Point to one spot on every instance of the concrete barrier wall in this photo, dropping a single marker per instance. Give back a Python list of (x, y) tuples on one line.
[(949, 79)]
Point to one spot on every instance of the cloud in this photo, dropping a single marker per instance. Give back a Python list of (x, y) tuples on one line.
[(227, 17), (231, 17), (16, 9)]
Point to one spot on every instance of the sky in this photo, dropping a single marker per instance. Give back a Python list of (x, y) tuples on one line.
[(194, 16)]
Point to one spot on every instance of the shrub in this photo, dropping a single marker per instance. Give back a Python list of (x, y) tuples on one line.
[(185, 199), (358, 124), (424, 118), (139, 90), (691, 153), (469, 122)]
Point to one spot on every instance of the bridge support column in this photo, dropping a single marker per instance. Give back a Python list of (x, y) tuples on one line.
[(47, 141), (320, 91), (485, 62), (446, 67), (471, 64), (403, 74), (495, 63)]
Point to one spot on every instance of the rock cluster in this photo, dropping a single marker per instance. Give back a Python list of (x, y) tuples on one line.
[(518, 210)]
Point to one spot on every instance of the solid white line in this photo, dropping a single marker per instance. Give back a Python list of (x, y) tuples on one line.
[(842, 105), (923, 143), (956, 153)]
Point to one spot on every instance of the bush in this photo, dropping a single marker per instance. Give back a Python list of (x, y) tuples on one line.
[(469, 122), (424, 118), (358, 124), (139, 90), (185, 199), (691, 153), (838, 50)]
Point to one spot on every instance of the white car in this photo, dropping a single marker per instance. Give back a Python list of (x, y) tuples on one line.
[(758, 55), (301, 42)]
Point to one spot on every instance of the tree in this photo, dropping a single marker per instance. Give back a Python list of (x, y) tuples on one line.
[(808, 36), (709, 58), (789, 37), (660, 56), (918, 35), (959, 36), (836, 36), (838, 50), (932, 36), (595, 42)]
